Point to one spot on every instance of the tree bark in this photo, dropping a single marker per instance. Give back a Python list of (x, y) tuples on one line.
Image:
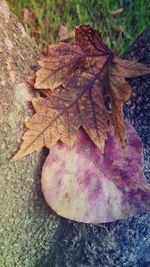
[(26, 223), (30, 234)]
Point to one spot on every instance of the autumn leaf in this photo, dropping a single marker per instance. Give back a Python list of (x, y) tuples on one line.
[(60, 115), (56, 69), (63, 59), (64, 34), (86, 86), (120, 90), (84, 185)]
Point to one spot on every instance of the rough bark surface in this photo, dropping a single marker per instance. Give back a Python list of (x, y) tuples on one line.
[(26, 225), (30, 235)]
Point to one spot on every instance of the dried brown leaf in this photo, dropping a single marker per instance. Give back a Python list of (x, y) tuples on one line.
[(59, 116), (64, 34), (86, 83), (63, 59), (118, 120), (120, 90), (57, 68), (116, 12), (31, 79), (128, 68)]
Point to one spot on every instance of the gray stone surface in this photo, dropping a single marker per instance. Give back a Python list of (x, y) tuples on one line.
[(30, 234)]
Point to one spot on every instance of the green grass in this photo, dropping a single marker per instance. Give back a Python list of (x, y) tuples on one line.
[(131, 22)]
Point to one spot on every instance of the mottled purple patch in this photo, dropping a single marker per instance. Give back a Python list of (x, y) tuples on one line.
[(95, 189), (87, 178), (83, 184)]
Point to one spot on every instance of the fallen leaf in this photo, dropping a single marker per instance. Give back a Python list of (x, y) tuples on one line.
[(31, 79), (118, 120), (63, 59), (29, 16), (120, 90), (86, 87), (128, 68), (116, 12), (82, 184), (64, 34), (59, 116)]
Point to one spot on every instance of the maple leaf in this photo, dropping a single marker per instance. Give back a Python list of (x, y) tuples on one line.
[(120, 91), (63, 59), (81, 78)]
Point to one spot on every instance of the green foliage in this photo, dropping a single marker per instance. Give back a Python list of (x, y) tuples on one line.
[(118, 32)]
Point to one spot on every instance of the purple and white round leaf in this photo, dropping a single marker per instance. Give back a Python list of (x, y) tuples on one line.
[(83, 184)]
